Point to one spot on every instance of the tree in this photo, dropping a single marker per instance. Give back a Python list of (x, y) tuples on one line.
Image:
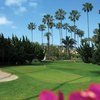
[(51, 25), (41, 28), (59, 26), (80, 33), (60, 15), (47, 19), (86, 52), (87, 7), (66, 27), (74, 16), (72, 29), (95, 37), (31, 26), (96, 54), (48, 42), (69, 44)]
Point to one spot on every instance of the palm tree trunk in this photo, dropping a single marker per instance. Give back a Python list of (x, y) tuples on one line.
[(66, 32), (52, 35), (32, 35), (42, 37), (74, 33), (61, 33), (88, 24), (60, 36), (77, 41), (48, 39), (81, 39), (69, 55), (71, 35)]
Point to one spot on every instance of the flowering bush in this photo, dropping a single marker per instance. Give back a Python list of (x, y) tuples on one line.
[(92, 93)]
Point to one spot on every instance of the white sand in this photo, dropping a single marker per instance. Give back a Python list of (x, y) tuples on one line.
[(4, 76)]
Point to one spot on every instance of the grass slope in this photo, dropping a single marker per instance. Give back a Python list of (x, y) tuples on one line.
[(60, 75)]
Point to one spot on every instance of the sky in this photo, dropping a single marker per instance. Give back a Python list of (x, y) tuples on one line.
[(16, 14)]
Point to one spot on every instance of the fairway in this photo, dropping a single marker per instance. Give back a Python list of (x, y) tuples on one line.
[(58, 75), (54, 76)]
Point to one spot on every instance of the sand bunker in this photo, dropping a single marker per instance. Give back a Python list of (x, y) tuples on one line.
[(4, 76)]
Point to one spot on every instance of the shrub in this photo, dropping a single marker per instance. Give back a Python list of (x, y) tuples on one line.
[(86, 52), (96, 56)]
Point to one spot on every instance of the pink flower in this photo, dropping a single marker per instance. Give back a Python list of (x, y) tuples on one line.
[(47, 95), (82, 95), (96, 89), (60, 95), (93, 93)]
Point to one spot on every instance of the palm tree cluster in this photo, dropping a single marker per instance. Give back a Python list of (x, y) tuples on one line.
[(60, 15), (48, 23)]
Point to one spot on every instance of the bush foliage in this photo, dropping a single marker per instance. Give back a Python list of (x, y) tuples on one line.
[(19, 51)]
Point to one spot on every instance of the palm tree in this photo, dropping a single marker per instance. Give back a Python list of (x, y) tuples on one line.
[(31, 26), (80, 33), (87, 7), (48, 41), (69, 44), (51, 25), (60, 15), (59, 26), (66, 27), (72, 29), (41, 28), (74, 16), (47, 19)]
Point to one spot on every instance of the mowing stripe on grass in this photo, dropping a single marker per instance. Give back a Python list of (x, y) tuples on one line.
[(54, 76)]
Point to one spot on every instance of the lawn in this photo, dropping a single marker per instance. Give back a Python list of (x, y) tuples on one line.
[(59, 75)]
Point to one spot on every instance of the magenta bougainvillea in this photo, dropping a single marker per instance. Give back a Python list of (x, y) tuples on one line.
[(92, 93)]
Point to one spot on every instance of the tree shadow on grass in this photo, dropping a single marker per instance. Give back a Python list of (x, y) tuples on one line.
[(62, 84), (96, 73), (32, 64), (32, 97)]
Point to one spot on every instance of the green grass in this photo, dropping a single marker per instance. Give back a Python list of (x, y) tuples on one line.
[(59, 75)]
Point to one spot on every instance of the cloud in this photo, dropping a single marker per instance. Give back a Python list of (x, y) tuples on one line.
[(33, 4), (20, 6), (13, 27), (5, 21), (14, 2), (22, 9)]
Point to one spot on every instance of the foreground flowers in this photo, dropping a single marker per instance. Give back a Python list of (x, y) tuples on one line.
[(49, 95), (92, 93)]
